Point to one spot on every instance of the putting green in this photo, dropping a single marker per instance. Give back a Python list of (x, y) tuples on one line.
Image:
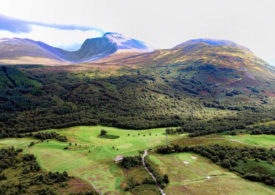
[(191, 174), (93, 160)]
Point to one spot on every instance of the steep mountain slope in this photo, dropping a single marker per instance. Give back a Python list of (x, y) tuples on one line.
[(24, 51)]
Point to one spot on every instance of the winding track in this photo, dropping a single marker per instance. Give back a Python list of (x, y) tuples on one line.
[(154, 178)]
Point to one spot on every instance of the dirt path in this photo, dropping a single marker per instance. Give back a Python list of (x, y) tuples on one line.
[(97, 190), (233, 140), (154, 178)]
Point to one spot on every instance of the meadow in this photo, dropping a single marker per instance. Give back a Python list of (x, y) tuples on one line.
[(192, 174)]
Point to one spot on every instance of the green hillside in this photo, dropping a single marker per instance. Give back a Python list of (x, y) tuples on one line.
[(170, 87)]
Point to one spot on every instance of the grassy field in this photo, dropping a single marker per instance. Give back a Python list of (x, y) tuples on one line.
[(90, 157), (96, 166), (191, 174), (254, 140), (16, 142)]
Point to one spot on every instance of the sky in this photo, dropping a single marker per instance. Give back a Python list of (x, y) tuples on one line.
[(159, 23)]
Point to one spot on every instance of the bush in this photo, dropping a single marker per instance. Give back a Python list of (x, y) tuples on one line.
[(103, 132), (130, 162)]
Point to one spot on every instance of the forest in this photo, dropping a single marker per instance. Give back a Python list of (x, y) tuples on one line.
[(34, 98)]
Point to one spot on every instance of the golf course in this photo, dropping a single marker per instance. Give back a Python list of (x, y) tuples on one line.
[(90, 157)]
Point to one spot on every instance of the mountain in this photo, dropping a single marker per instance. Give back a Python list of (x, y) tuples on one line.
[(24, 51), (206, 56), (214, 42)]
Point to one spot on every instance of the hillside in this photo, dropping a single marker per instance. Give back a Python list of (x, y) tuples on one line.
[(162, 88)]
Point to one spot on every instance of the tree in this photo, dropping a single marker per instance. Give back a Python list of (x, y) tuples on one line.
[(103, 132), (165, 178)]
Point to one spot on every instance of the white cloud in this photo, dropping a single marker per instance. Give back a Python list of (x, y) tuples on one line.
[(67, 39), (162, 23)]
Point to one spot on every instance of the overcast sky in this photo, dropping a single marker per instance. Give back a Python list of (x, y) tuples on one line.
[(160, 23)]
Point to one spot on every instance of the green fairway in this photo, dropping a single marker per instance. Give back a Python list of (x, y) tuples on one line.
[(97, 166), (254, 140), (191, 174)]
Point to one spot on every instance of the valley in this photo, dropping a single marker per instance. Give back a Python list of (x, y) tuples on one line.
[(204, 110), (90, 158)]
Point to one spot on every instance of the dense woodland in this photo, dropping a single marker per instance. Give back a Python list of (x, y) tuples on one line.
[(256, 164), (218, 125), (34, 98)]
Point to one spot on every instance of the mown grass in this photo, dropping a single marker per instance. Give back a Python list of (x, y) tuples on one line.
[(93, 161), (188, 174)]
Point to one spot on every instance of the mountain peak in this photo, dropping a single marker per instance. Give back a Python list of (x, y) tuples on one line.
[(116, 38), (126, 43), (212, 42)]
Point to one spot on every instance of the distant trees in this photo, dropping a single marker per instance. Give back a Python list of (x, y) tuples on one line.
[(262, 129), (50, 135), (217, 125), (170, 131)]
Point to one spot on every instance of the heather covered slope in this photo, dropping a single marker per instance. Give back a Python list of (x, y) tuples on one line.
[(223, 66), (203, 53)]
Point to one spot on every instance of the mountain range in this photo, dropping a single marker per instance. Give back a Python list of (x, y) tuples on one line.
[(207, 60), (27, 51), (120, 81)]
